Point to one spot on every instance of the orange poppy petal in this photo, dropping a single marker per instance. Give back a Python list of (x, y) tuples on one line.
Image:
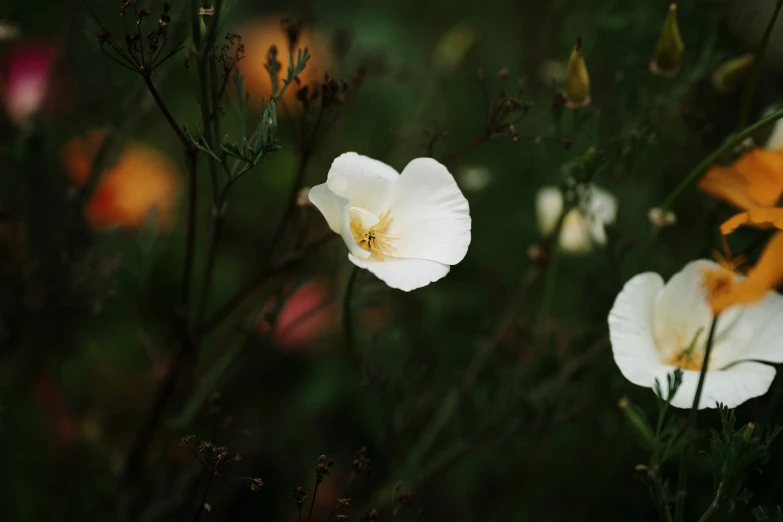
[(726, 184), (766, 275), (759, 217), (754, 180)]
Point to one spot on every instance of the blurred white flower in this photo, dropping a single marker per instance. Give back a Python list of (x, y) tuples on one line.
[(407, 229), (656, 328), (474, 178), (582, 226), (660, 218)]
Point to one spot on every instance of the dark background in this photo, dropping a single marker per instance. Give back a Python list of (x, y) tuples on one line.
[(87, 335)]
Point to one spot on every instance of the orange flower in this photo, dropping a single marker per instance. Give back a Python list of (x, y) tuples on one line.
[(753, 183), (142, 184), (258, 37), (754, 180), (766, 275)]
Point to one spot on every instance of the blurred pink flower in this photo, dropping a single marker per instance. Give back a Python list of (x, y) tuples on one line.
[(27, 77), (308, 313)]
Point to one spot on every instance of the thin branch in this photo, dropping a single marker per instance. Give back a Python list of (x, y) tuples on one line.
[(166, 113)]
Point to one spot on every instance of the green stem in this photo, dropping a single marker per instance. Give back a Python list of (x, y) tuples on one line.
[(710, 511), (684, 461), (206, 285), (697, 171), (753, 79), (350, 340)]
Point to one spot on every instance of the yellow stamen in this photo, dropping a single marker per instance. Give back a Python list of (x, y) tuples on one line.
[(374, 239)]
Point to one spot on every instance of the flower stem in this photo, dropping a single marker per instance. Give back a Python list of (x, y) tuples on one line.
[(753, 79), (685, 460), (350, 340), (699, 169)]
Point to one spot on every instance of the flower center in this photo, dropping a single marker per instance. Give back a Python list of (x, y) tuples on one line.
[(720, 281), (688, 358), (374, 238)]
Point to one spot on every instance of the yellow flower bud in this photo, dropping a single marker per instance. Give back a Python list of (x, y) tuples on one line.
[(668, 53), (729, 76), (577, 81)]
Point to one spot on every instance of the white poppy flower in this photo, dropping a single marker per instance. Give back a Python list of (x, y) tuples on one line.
[(655, 328), (582, 227), (407, 229)]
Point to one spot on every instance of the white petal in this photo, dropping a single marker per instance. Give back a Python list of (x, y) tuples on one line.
[(681, 310), (730, 387), (345, 233), (763, 322), (329, 204), (603, 211), (630, 329), (367, 183), (430, 216), (549, 206), (403, 274)]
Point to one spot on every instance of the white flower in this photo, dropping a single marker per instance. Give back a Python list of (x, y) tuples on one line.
[(407, 229), (655, 328), (582, 226)]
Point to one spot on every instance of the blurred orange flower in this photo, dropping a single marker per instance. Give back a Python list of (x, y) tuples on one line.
[(258, 36), (142, 184), (754, 184)]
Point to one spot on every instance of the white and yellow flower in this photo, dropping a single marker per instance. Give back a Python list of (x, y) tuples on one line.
[(407, 229), (583, 226), (655, 328)]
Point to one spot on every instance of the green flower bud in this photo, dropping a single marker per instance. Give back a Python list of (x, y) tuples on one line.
[(729, 76), (577, 81), (668, 53)]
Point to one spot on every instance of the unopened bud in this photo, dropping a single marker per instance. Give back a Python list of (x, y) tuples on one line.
[(729, 76), (577, 81), (661, 218), (748, 431), (668, 52)]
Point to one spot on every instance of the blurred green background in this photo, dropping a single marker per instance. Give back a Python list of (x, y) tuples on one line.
[(487, 402)]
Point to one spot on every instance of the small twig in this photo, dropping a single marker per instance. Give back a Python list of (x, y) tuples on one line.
[(312, 501), (455, 155), (204, 497), (166, 113)]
